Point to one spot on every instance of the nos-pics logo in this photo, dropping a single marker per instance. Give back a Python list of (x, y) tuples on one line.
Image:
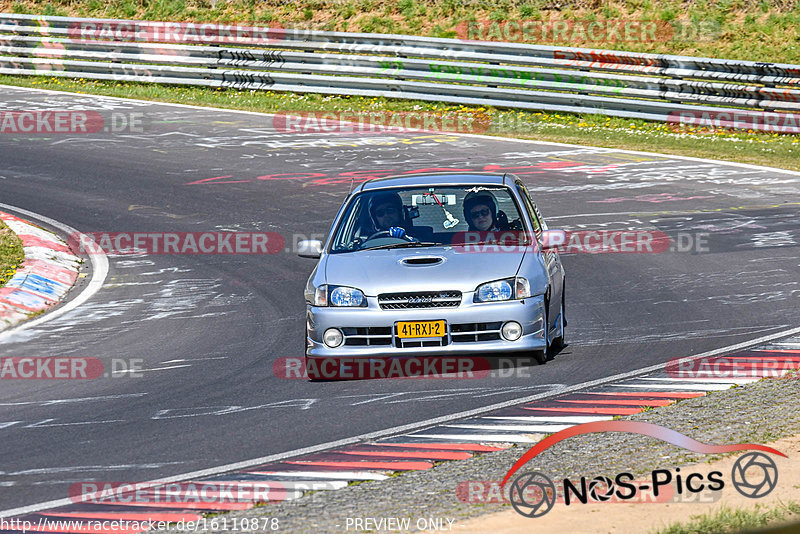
[(533, 494)]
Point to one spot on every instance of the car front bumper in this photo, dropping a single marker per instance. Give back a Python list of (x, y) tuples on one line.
[(471, 329)]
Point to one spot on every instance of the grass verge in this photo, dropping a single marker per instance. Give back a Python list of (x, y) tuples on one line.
[(738, 520), (11, 253), (782, 151), (757, 30)]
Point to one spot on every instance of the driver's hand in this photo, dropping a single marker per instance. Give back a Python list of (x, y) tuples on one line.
[(396, 231)]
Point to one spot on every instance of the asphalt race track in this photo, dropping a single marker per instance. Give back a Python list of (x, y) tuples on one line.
[(208, 328)]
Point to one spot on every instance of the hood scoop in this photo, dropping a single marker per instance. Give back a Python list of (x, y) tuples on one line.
[(416, 260)]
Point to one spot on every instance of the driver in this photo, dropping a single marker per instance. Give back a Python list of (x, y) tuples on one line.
[(387, 214)]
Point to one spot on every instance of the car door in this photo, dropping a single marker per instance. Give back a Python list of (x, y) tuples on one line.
[(551, 259)]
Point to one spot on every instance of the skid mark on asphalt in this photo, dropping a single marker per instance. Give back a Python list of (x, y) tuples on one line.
[(178, 297), (52, 402)]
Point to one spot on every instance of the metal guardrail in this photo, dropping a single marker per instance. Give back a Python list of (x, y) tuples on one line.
[(506, 75)]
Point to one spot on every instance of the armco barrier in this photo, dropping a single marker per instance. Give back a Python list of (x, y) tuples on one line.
[(762, 96)]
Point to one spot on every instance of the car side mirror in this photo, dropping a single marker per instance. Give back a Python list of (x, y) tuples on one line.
[(309, 248), (552, 239)]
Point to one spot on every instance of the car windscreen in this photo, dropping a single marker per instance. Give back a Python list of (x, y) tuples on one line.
[(389, 218)]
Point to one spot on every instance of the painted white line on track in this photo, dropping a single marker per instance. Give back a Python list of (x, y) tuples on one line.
[(319, 485), (513, 428), (306, 484), (480, 438), (99, 273), (557, 419), (334, 475), (693, 387), (763, 373), (705, 380)]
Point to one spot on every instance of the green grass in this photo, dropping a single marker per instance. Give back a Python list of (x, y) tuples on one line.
[(11, 253), (728, 520), (738, 29), (774, 150)]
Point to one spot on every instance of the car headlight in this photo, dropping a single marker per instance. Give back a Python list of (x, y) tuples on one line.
[(508, 289), (348, 297)]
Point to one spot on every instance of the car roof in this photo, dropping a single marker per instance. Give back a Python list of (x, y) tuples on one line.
[(434, 178)]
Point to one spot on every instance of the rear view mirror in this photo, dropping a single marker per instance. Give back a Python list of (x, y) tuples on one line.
[(309, 248), (429, 200), (552, 239)]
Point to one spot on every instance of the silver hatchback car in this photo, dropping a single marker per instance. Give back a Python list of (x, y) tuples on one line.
[(436, 264)]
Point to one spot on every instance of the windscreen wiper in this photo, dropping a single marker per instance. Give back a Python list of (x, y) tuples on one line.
[(405, 245), (499, 244)]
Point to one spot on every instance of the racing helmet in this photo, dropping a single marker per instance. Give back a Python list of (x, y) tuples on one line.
[(390, 198), (476, 198)]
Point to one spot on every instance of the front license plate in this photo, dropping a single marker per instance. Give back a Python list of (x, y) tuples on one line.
[(420, 329)]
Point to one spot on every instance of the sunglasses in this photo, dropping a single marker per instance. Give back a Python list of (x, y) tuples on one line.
[(380, 212), (479, 213)]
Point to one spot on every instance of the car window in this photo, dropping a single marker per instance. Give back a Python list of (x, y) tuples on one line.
[(532, 210), (429, 215)]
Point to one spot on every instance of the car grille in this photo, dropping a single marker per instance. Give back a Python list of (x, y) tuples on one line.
[(367, 336), (411, 343), (385, 335), (406, 343), (427, 299), (474, 332)]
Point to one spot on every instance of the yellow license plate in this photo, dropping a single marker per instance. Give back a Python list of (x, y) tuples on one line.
[(420, 329)]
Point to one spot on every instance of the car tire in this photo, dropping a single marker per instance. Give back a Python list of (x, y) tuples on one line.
[(306, 359), (541, 355), (560, 341)]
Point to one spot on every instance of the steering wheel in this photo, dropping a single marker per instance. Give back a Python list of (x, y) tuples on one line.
[(386, 233)]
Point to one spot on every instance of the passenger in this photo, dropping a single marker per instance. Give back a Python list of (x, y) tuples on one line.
[(480, 212)]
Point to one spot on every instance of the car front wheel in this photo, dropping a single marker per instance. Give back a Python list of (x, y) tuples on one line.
[(541, 355), (560, 341)]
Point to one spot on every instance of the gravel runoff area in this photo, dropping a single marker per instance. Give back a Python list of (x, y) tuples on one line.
[(759, 412)]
